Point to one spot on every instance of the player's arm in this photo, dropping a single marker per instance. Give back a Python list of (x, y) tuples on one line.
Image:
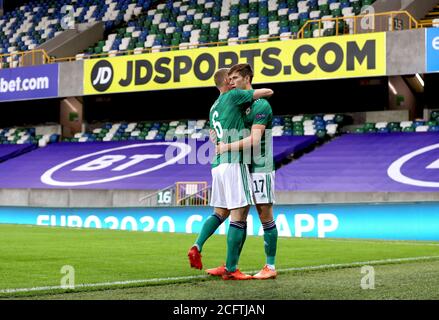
[(241, 97), (252, 140), (262, 93), (262, 110)]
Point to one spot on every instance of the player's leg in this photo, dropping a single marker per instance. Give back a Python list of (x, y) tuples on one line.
[(245, 231), (212, 223), (220, 270), (209, 227), (263, 184), (239, 199), (235, 240)]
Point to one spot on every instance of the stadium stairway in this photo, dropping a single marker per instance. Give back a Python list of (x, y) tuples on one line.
[(432, 17), (14, 150), (197, 23)]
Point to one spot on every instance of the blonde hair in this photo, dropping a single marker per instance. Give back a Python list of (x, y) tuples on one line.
[(220, 76)]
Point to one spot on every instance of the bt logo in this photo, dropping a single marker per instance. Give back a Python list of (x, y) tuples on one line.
[(107, 161), (118, 165), (395, 169)]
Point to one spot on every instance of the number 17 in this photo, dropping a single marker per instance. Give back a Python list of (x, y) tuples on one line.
[(261, 183)]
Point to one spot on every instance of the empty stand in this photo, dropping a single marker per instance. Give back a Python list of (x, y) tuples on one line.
[(26, 136), (419, 125), (197, 23), (30, 25), (322, 126)]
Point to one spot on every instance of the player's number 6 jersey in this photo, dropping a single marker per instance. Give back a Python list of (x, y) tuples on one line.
[(226, 119)]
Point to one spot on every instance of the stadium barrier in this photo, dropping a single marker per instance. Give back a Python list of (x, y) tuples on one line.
[(385, 221), (192, 193), (37, 82)]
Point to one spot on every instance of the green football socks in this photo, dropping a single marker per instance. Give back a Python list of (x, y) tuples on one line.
[(209, 227), (235, 241), (270, 241)]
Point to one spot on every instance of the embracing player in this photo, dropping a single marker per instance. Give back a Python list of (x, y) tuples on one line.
[(231, 181), (259, 118)]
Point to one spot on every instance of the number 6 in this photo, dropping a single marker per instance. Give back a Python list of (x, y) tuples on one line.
[(217, 125)]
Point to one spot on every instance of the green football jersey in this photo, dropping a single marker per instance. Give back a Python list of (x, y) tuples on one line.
[(226, 119), (260, 112)]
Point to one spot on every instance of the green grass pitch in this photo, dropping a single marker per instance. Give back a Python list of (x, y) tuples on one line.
[(32, 257)]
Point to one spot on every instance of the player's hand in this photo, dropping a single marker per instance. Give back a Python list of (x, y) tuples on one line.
[(212, 134), (220, 148)]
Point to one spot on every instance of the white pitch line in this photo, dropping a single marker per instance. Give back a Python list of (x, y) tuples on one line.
[(117, 283), (392, 242)]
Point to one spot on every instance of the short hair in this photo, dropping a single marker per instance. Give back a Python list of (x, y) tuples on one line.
[(244, 69), (220, 76)]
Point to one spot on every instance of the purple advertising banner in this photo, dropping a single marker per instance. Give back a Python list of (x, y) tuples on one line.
[(29, 82), (393, 162), (142, 165), (8, 151)]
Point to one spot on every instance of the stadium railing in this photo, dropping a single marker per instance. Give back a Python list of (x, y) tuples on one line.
[(373, 22), (26, 58), (190, 194), (432, 24), (385, 21)]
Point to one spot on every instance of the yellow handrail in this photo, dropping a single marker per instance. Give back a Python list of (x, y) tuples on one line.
[(33, 55), (413, 23)]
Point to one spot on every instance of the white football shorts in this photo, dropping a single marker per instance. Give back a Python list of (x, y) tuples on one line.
[(263, 187), (231, 186)]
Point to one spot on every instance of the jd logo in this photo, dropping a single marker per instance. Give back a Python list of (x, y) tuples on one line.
[(102, 75)]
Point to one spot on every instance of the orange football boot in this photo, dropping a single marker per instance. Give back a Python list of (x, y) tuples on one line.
[(236, 275), (218, 271), (195, 258), (265, 273)]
